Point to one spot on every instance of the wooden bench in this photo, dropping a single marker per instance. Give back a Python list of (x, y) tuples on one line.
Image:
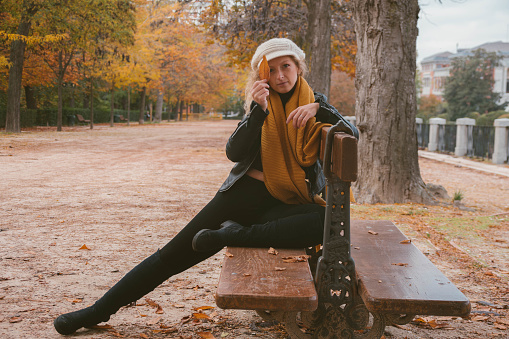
[(367, 275), (121, 117), (81, 119)]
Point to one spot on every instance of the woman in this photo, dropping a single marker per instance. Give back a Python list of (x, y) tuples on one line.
[(271, 196)]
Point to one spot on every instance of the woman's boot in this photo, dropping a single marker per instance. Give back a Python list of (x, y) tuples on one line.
[(142, 279), (296, 231)]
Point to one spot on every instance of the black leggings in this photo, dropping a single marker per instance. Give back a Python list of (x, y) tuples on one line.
[(247, 202)]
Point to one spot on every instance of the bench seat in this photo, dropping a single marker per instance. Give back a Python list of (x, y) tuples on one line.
[(415, 286), (251, 280)]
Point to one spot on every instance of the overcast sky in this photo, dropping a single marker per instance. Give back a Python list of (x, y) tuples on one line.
[(460, 23)]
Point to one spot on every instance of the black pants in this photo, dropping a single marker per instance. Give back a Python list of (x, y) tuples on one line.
[(247, 202)]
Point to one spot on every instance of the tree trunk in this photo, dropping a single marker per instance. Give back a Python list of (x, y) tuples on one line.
[(112, 102), (30, 98), (386, 102), (142, 108), (128, 105), (60, 80), (318, 45), (12, 119), (159, 106), (91, 103)]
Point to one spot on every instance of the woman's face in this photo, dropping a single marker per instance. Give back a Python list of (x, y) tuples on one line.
[(283, 74)]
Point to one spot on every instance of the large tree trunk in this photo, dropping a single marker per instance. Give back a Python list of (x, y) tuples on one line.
[(159, 106), (386, 102), (318, 45), (12, 119), (142, 108)]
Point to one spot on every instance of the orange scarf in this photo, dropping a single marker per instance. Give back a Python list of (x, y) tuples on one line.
[(286, 149)]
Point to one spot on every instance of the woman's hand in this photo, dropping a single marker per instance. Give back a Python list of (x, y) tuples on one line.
[(302, 114), (260, 92)]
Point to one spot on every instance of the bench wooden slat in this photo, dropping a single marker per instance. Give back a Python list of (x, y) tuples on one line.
[(418, 288), (249, 280)]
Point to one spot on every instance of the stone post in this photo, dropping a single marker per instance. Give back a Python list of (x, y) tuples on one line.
[(462, 136), (434, 124), (418, 129), (501, 147)]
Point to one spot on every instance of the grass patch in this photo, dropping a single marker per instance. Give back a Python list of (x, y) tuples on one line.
[(470, 227)]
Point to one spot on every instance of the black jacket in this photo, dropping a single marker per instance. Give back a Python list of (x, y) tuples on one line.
[(244, 144)]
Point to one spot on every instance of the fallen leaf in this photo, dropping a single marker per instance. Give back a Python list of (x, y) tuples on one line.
[(280, 268), (186, 319), (357, 248), (201, 316), (400, 264), (103, 327), (272, 251), (191, 298), (76, 300), (406, 241), (479, 318), (264, 69), (500, 327), (159, 310), (206, 335), (373, 232), (503, 321), (143, 335), (15, 320), (246, 274), (154, 321), (84, 247), (296, 258), (489, 273), (203, 308), (151, 302), (379, 281), (178, 306), (228, 254)]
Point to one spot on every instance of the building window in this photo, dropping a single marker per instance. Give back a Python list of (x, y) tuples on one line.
[(426, 82)]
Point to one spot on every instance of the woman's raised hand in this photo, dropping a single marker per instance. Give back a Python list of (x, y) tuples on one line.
[(260, 92), (302, 114)]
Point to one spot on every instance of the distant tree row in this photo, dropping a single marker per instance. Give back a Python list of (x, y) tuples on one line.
[(155, 48)]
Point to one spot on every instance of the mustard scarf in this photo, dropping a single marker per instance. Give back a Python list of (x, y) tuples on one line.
[(286, 149)]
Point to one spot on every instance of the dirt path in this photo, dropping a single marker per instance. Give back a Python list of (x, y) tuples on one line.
[(124, 192)]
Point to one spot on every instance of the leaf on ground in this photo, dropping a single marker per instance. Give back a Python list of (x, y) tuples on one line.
[(373, 232), (178, 306), (406, 241), (500, 327), (201, 316), (151, 302), (296, 258), (206, 335), (247, 274), (75, 300), (479, 318), (185, 319), (15, 320), (153, 321), (103, 327), (143, 335), (203, 308), (228, 254), (400, 264), (84, 247), (280, 268), (272, 251), (159, 310)]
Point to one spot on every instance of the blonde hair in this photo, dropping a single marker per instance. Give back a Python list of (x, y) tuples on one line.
[(254, 76)]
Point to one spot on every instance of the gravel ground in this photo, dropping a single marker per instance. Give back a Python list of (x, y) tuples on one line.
[(80, 208)]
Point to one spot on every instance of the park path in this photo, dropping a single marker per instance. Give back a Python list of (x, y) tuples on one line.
[(121, 193)]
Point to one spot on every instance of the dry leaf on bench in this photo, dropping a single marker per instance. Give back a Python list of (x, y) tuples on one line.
[(296, 258), (373, 232), (264, 69), (400, 264), (228, 254), (272, 251), (202, 308), (280, 268), (84, 247), (406, 241), (201, 316)]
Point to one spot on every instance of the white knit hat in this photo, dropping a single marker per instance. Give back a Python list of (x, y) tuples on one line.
[(275, 48)]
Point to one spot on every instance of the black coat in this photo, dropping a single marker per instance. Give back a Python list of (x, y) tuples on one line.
[(244, 144)]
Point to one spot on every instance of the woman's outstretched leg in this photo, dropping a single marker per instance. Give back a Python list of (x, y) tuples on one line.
[(173, 258)]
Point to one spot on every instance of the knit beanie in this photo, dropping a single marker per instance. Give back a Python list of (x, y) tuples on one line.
[(275, 48)]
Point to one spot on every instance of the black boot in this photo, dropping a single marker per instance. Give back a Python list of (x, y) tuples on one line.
[(142, 279), (296, 231)]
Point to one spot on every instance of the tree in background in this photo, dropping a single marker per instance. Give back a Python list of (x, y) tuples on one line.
[(342, 93), (470, 85), (386, 102), (323, 28), (430, 106)]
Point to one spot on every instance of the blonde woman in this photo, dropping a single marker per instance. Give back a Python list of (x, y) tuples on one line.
[(271, 196)]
